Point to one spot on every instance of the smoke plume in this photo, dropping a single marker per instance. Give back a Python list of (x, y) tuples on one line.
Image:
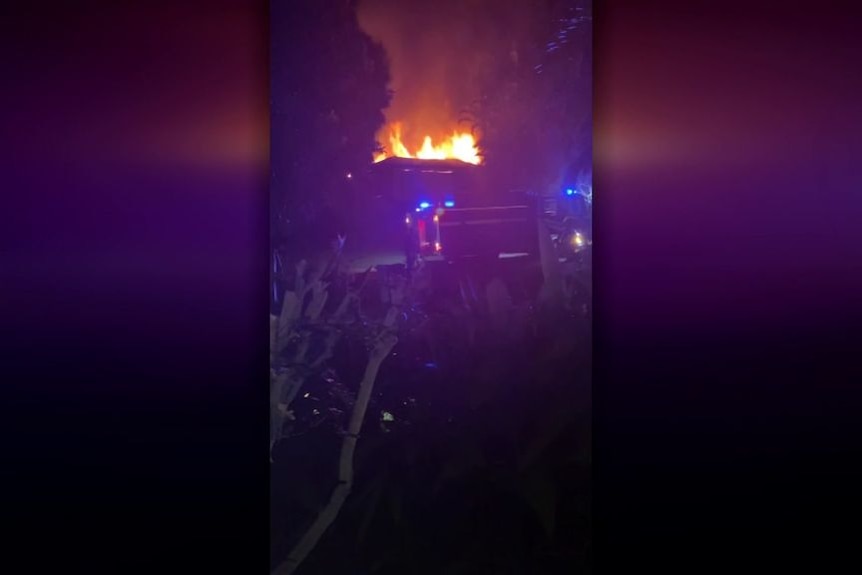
[(441, 53)]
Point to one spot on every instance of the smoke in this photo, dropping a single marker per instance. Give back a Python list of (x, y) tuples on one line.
[(441, 53)]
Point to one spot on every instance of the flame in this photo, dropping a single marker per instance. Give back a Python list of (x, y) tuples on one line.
[(459, 146)]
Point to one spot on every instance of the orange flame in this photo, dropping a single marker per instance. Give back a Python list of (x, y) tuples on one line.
[(459, 146)]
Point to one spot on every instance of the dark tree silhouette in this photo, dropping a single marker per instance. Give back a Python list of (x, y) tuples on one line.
[(329, 87), (535, 114)]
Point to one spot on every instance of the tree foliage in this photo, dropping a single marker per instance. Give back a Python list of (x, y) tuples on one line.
[(329, 88), (535, 112), (474, 453)]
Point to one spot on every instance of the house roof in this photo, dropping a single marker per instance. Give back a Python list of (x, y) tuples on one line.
[(412, 164)]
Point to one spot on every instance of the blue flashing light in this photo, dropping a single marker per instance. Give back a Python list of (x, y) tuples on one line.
[(570, 192), (449, 204), (424, 205)]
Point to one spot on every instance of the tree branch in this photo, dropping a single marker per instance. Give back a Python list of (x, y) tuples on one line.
[(381, 350), (286, 384)]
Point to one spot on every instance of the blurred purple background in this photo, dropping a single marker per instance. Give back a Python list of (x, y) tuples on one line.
[(725, 173)]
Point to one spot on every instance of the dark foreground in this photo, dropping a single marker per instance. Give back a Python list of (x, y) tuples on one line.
[(475, 452)]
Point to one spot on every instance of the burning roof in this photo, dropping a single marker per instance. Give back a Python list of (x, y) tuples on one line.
[(458, 146), (396, 164)]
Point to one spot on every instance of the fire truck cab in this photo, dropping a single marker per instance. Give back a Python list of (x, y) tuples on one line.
[(448, 213)]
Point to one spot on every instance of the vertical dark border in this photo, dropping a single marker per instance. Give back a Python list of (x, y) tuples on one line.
[(726, 284), (134, 286)]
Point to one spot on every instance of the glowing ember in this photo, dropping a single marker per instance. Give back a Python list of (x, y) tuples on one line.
[(459, 146)]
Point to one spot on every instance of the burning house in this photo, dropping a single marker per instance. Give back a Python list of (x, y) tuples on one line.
[(429, 187), (408, 181), (458, 146)]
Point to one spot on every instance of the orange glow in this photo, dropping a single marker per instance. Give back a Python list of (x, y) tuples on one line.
[(459, 146)]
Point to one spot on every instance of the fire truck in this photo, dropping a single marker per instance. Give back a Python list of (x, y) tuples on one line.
[(447, 212)]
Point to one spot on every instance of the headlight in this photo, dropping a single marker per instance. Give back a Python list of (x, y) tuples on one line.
[(578, 240)]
